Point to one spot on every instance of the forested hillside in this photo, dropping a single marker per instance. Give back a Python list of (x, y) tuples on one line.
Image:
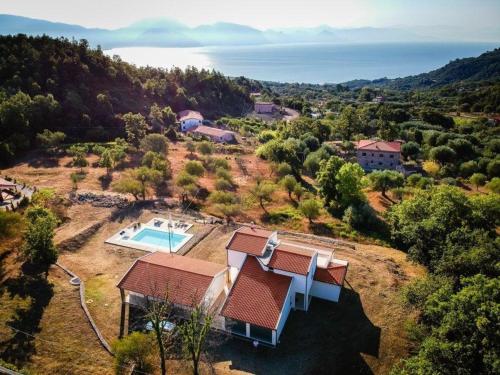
[(483, 67), (59, 84)]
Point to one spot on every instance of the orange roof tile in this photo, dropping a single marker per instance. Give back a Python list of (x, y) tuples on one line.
[(187, 114), (372, 145), (186, 279), (257, 296), (333, 274), (289, 258), (249, 240), (208, 130)]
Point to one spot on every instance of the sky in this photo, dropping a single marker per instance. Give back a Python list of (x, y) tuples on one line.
[(264, 14)]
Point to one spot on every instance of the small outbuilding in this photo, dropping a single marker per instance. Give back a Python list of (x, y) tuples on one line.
[(214, 134), (189, 119)]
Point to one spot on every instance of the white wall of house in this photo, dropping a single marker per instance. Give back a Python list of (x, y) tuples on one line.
[(284, 314), (301, 283), (298, 283), (190, 123), (371, 160), (215, 288), (236, 258), (329, 292)]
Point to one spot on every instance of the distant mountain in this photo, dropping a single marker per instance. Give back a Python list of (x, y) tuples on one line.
[(483, 67), (164, 32)]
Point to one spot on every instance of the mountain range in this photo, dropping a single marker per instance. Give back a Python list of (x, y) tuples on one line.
[(164, 32)]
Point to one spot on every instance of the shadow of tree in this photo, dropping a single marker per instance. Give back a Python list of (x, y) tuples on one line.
[(328, 339), (320, 229), (19, 347), (44, 162), (105, 181)]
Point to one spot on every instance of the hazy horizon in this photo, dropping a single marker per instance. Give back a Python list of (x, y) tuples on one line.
[(437, 15)]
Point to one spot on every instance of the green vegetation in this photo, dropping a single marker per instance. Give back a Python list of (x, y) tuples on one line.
[(454, 236), (134, 350), (85, 94)]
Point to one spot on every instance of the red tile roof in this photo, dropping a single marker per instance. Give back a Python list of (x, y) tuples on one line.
[(287, 257), (257, 296), (208, 130), (334, 274), (371, 145), (187, 114), (186, 279), (249, 240)]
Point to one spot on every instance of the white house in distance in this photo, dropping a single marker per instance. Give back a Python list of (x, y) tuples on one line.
[(187, 281), (372, 154), (264, 107), (189, 119), (214, 134), (270, 277)]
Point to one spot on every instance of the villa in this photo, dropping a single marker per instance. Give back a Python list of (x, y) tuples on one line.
[(189, 119), (372, 154), (263, 280), (270, 277)]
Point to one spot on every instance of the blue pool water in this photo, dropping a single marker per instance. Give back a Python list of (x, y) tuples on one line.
[(158, 238)]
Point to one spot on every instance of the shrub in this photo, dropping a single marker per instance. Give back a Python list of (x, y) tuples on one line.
[(223, 185), (283, 169), (155, 143), (194, 168), (310, 208)]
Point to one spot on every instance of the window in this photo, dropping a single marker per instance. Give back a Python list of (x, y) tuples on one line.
[(379, 163), (371, 161), (364, 154), (391, 156), (373, 154), (391, 164), (381, 155), (261, 333), (236, 326)]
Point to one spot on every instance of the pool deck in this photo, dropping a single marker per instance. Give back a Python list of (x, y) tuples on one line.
[(124, 236)]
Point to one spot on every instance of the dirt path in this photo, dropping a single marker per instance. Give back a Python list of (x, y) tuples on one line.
[(291, 114)]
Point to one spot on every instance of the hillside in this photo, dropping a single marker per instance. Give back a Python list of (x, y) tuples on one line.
[(57, 84), (483, 67)]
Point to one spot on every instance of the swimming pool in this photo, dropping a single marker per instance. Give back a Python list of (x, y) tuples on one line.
[(161, 239)]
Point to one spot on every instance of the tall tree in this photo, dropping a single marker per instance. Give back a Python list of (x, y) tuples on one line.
[(385, 180), (327, 179), (135, 126), (349, 122), (194, 334), (39, 246), (263, 191), (350, 184)]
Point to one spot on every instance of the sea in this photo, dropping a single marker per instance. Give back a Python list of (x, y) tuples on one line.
[(308, 63)]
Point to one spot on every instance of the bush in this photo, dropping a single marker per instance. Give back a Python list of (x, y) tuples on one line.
[(223, 185), (449, 181), (283, 169), (224, 175), (155, 142), (194, 168)]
